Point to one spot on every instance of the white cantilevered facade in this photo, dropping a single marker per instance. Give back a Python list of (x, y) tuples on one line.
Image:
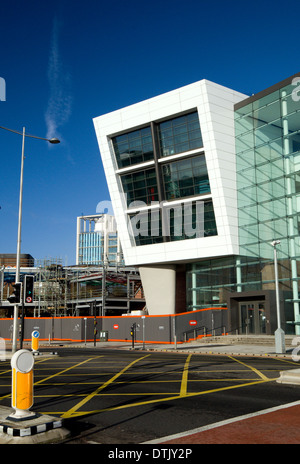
[(170, 164)]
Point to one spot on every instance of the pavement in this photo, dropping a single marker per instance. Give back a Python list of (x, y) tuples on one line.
[(226, 345), (222, 346), (279, 425)]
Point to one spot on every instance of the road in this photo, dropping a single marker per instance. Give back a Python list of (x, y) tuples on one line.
[(132, 397)]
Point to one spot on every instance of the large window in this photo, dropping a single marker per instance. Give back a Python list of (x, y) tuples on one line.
[(134, 147), (180, 134), (140, 186), (186, 178), (165, 180), (173, 223)]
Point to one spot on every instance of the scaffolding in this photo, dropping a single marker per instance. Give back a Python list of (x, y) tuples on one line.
[(50, 288), (77, 290)]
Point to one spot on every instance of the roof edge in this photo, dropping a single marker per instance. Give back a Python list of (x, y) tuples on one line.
[(265, 92)]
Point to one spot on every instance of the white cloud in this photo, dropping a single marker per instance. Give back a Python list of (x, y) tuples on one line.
[(60, 99)]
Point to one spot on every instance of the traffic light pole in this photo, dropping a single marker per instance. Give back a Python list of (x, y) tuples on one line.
[(22, 326), (16, 308)]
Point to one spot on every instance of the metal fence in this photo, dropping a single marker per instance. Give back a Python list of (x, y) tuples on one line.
[(155, 329)]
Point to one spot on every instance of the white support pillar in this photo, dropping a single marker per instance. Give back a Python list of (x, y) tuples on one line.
[(159, 285)]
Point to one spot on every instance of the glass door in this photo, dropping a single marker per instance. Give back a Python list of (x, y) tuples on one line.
[(252, 317), (261, 317)]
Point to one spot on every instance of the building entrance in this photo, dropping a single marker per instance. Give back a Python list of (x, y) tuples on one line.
[(252, 318)]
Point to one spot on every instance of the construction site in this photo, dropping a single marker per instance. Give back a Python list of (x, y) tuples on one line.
[(81, 290), (84, 303)]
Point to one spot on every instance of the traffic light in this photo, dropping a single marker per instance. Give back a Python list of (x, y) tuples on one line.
[(28, 289), (15, 297)]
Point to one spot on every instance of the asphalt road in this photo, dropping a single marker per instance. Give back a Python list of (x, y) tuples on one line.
[(132, 397)]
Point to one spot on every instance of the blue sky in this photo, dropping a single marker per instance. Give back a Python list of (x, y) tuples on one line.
[(67, 61)]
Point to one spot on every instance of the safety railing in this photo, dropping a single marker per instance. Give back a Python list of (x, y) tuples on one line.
[(202, 332)]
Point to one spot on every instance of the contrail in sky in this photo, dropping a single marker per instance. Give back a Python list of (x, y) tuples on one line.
[(60, 99)]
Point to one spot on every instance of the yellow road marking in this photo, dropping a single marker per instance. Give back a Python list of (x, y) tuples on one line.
[(260, 374), (184, 380), (73, 410), (63, 371), (183, 389), (171, 398), (287, 361)]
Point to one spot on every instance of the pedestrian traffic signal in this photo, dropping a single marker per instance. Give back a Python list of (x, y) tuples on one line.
[(28, 289), (15, 297)]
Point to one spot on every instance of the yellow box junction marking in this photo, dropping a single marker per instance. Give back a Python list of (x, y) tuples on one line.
[(183, 387), (260, 374), (65, 370), (73, 410), (184, 380)]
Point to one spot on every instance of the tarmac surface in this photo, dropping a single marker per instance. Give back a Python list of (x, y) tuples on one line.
[(280, 425)]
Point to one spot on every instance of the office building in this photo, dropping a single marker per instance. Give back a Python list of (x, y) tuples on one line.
[(97, 241), (202, 180)]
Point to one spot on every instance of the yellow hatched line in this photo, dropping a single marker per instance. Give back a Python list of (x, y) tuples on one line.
[(260, 374), (170, 398), (184, 380), (73, 410), (64, 370), (287, 361)]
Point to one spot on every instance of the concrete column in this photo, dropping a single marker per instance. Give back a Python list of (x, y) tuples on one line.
[(159, 284)]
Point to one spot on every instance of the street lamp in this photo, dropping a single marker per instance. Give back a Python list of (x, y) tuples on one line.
[(53, 141), (279, 333)]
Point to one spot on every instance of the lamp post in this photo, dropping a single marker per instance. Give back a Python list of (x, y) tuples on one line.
[(279, 333), (16, 310)]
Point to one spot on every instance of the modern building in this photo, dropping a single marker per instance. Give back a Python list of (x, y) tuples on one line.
[(97, 241), (202, 180)]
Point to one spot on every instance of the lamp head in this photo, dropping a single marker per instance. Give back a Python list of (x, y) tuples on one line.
[(275, 242), (54, 140)]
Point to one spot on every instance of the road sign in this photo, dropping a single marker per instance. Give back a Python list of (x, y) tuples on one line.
[(116, 326), (35, 338), (193, 322)]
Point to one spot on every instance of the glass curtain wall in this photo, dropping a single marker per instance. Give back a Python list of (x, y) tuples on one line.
[(208, 283), (268, 183), (268, 174), (91, 245), (91, 249)]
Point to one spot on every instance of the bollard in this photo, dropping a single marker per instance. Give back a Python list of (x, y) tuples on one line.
[(35, 337), (132, 333), (22, 385)]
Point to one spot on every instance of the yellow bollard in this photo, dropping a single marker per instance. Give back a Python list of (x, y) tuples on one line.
[(35, 337), (22, 384)]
